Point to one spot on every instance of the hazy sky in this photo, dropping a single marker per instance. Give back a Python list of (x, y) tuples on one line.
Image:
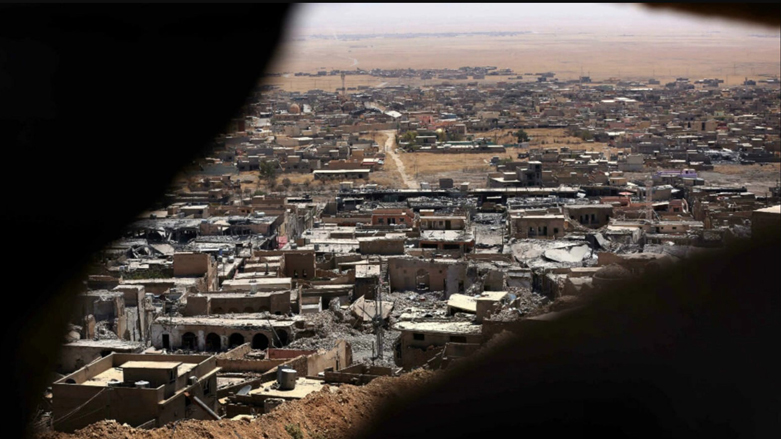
[(336, 18)]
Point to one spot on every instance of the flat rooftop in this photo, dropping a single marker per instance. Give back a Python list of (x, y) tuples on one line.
[(243, 294), (304, 386), (439, 327), (493, 296), (772, 209), (538, 217), (446, 235), (462, 302), (260, 281), (183, 281), (116, 373), (223, 321), (105, 294), (105, 344), (151, 364), (588, 206)]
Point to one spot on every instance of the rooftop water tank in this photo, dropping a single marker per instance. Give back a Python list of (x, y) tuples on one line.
[(286, 378)]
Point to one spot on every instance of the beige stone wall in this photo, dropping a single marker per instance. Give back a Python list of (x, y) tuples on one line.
[(449, 277), (299, 265), (278, 302), (555, 228), (191, 264), (197, 306)]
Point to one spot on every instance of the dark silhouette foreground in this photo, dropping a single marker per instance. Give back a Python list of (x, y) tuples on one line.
[(100, 106)]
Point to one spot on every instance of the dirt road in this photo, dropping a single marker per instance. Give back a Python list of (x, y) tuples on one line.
[(390, 151)]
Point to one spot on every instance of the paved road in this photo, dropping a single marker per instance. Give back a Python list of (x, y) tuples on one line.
[(390, 150)]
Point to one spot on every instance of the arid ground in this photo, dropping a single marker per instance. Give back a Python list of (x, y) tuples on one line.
[(732, 56)]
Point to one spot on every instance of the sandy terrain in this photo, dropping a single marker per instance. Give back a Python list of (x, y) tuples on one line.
[(557, 138), (387, 176), (757, 178), (403, 179), (731, 56), (471, 167)]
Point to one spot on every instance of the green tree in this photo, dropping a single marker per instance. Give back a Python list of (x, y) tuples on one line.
[(268, 172), (522, 136), (286, 182), (409, 136)]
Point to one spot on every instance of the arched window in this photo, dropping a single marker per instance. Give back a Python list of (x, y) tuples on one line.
[(235, 339), (282, 338), (259, 341), (188, 341), (213, 342)]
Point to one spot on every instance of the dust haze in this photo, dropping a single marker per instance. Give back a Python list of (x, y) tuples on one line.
[(624, 41)]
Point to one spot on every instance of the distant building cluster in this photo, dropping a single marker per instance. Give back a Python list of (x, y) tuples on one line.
[(224, 303)]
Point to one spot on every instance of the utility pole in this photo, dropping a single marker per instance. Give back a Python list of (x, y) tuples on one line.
[(377, 321)]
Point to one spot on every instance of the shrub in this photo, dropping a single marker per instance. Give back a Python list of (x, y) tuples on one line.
[(294, 431)]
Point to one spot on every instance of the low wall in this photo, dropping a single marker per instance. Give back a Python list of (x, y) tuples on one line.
[(258, 366), (489, 257), (236, 353)]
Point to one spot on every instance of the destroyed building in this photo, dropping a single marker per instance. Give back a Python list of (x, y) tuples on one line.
[(216, 334)]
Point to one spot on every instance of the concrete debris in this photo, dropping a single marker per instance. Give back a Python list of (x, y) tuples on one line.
[(366, 310), (573, 254), (103, 331)]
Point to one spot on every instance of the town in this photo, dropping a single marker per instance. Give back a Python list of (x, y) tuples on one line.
[(336, 237)]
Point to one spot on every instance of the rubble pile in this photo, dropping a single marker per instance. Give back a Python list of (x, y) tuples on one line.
[(103, 331), (336, 324), (526, 301)]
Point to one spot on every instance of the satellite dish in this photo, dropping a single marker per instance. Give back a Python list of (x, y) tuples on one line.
[(245, 390)]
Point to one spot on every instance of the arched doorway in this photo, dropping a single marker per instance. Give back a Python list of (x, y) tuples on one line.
[(189, 341), (213, 342), (259, 341), (235, 339), (282, 338), (217, 311), (233, 311), (248, 309)]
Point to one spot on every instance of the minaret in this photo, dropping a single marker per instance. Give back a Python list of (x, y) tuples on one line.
[(649, 188)]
